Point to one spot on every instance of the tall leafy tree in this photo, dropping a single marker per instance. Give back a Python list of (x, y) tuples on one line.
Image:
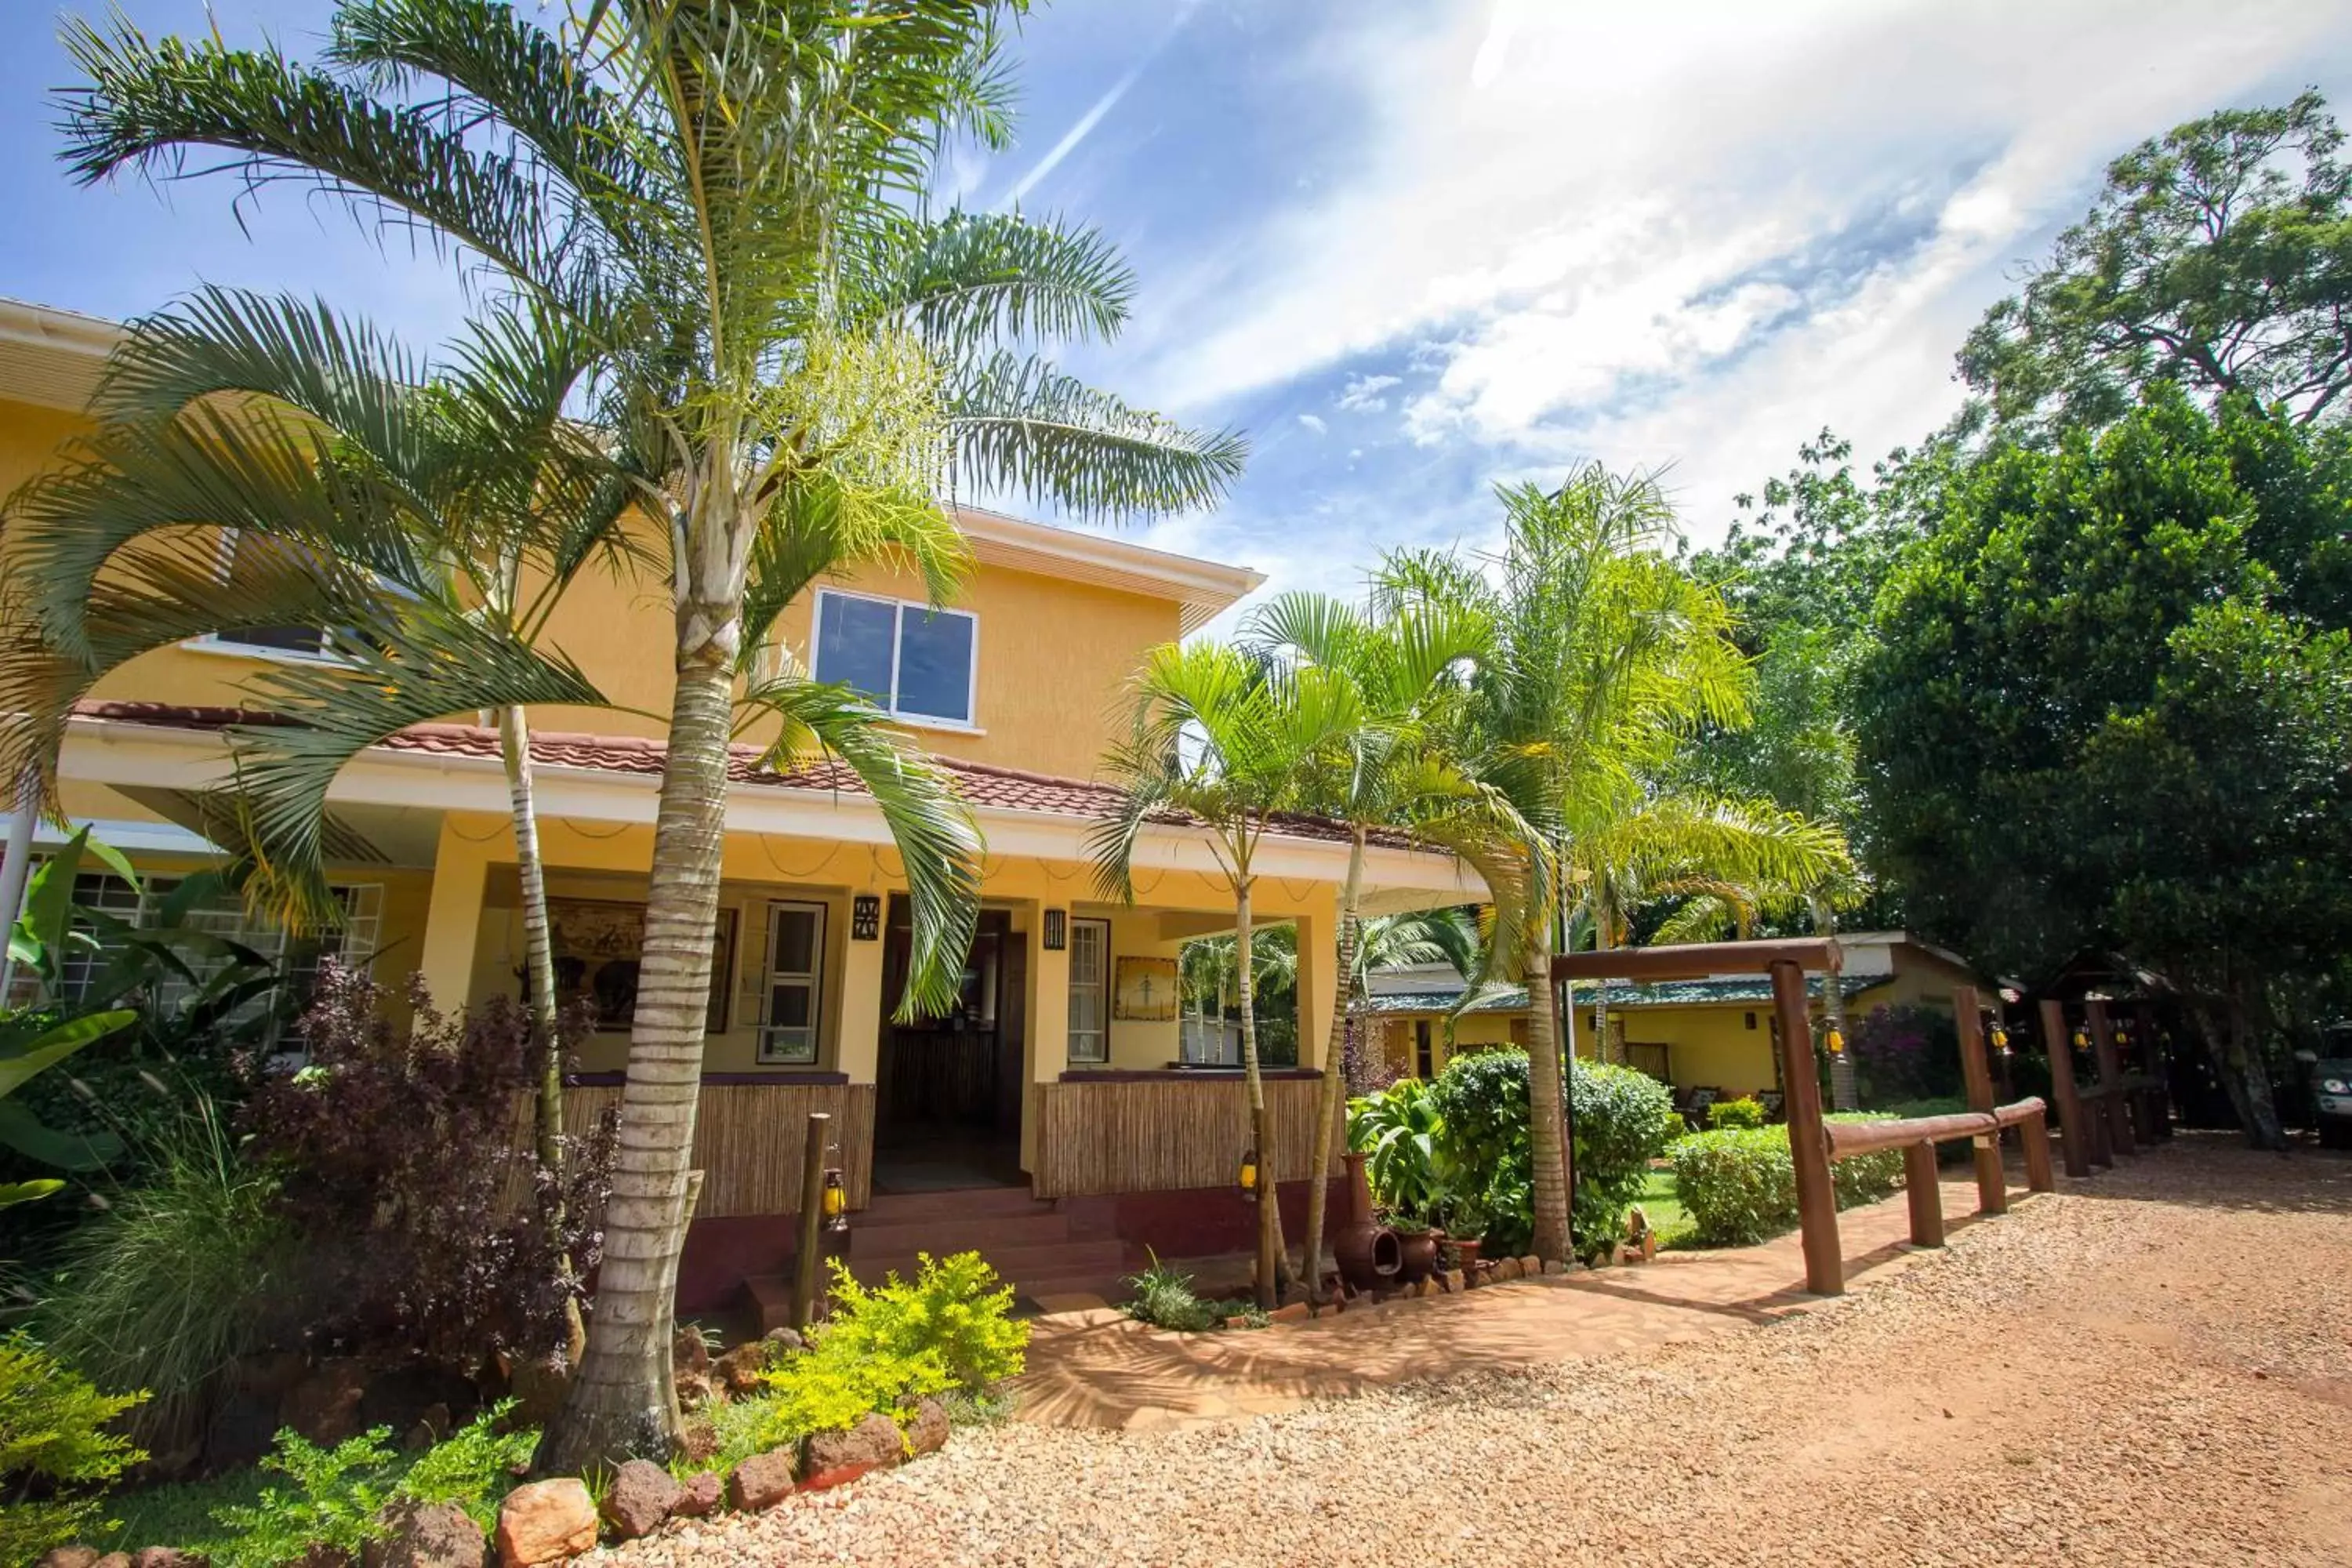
[(1390, 772), (2218, 257), (1232, 742), (721, 198), (2096, 601), (1600, 653)]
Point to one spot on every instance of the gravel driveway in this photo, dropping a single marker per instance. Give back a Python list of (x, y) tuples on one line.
[(2153, 1367)]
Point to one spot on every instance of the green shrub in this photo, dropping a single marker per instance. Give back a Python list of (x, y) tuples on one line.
[(473, 1466), (1625, 1118), (1739, 1184), (1163, 1296), (335, 1504), (50, 1422), (954, 1310), (1740, 1112), (177, 1277)]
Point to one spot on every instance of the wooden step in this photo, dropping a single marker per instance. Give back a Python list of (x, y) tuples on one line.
[(958, 1202), (1015, 1265), (939, 1237)]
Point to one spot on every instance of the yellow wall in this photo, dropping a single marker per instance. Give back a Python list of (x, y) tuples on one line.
[(1053, 654)]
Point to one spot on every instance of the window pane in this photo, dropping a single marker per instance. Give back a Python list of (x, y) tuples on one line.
[(795, 941), (935, 664), (853, 643), (788, 1006)]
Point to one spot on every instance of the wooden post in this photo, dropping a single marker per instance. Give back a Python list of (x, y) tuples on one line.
[(2071, 1121), (1808, 1150), (1992, 1186), (1924, 1188), (2034, 1135), (2158, 1097), (2111, 1076), (806, 1273)]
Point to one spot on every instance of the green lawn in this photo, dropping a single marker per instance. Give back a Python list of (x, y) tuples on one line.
[(1662, 1204)]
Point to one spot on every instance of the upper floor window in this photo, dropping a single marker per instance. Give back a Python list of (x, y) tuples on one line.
[(913, 660)]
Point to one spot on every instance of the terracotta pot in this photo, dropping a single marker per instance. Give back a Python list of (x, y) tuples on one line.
[(1417, 1254), (1367, 1255)]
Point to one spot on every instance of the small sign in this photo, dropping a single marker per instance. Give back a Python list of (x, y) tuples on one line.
[(865, 917), (1057, 930)]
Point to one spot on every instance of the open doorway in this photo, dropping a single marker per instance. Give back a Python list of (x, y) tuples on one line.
[(948, 1089)]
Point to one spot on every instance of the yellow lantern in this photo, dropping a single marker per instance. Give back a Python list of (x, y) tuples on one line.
[(2000, 1039), (836, 1196), (1248, 1177), (2081, 1040), (1836, 1042)]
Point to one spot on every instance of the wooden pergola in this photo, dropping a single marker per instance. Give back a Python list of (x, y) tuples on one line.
[(1812, 1146)]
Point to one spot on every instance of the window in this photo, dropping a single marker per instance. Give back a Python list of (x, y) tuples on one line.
[(1089, 991), (300, 956), (911, 659), (1424, 1062), (789, 1013)]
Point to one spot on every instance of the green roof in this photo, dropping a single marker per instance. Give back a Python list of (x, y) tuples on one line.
[(1665, 994)]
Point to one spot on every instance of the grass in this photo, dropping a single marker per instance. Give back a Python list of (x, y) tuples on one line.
[(180, 1514), (1663, 1203)]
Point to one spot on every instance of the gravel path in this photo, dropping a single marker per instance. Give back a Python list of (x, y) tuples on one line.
[(2154, 1367)]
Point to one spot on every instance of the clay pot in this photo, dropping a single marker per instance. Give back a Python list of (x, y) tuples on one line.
[(1416, 1255), (1367, 1255)]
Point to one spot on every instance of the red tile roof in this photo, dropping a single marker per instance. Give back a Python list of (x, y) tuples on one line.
[(982, 784)]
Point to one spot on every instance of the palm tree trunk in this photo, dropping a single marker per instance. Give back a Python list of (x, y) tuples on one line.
[(1333, 1093), (1846, 1091), (1546, 1147), (539, 956), (624, 1402), (1269, 1196)]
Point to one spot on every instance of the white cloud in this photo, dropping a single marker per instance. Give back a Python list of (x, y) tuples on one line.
[(1314, 421), (1693, 234)]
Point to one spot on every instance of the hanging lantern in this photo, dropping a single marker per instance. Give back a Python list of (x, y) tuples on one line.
[(1247, 1177), (2081, 1040), (836, 1200), (2000, 1039), (1836, 1041)]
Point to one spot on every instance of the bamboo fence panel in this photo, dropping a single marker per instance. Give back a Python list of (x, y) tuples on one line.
[(1164, 1135), (747, 1140)]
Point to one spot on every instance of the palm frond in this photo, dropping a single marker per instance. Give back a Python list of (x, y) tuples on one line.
[(970, 282)]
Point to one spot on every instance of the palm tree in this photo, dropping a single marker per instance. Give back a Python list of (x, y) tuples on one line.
[(1229, 741), (1599, 654), (460, 503), (1388, 773), (724, 201)]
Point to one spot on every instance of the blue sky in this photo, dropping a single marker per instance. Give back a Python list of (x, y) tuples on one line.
[(1415, 249)]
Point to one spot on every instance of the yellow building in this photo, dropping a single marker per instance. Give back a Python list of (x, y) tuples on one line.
[(1713, 1034), (1058, 1074)]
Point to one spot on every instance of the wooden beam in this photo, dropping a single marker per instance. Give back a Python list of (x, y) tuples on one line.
[(2115, 1096), (2072, 1124), (1698, 960), (1808, 1150), (1924, 1185), (1992, 1186)]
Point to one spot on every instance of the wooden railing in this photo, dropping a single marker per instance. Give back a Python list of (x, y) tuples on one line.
[(748, 1139), (1918, 1138), (1165, 1132)]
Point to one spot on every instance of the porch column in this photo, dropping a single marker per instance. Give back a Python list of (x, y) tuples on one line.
[(453, 918), (858, 1049), (1046, 1051), (1318, 964)]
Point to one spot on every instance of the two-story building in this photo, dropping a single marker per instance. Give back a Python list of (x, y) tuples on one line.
[(1048, 1111)]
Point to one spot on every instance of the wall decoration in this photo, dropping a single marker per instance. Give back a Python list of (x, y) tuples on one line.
[(866, 918), (599, 948), (1145, 991), (1058, 930)]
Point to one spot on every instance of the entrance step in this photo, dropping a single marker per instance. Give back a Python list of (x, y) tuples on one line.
[(951, 1203), (904, 1238), (1016, 1265)]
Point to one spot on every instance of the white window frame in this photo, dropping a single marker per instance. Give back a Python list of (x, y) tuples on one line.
[(223, 564), (970, 724), (1100, 985), (769, 1053)]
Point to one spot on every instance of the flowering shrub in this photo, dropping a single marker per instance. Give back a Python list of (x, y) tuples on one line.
[(422, 1211), (1905, 1053)]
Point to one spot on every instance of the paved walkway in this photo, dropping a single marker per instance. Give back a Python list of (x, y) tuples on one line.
[(1101, 1369)]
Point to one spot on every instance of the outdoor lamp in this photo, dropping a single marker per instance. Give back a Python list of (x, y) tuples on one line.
[(2000, 1039), (836, 1200), (2081, 1040), (1248, 1177), (1836, 1041)]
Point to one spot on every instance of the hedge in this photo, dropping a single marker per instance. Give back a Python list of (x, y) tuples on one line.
[(1739, 1186)]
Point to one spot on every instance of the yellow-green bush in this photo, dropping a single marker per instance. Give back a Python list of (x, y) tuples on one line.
[(1739, 1184), (51, 1432)]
